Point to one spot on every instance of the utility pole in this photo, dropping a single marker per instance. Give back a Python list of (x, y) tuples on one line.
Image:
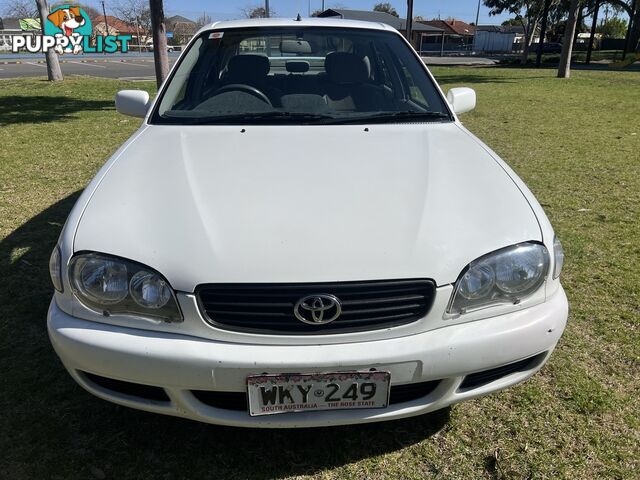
[(104, 15), (543, 32), (267, 15), (138, 32), (106, 24), (593, 31), (409, 19), (478, 13)]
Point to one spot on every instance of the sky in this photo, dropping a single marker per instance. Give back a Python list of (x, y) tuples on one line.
[(231, 9)]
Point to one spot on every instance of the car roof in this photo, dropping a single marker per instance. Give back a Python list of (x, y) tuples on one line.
[(302, 23)]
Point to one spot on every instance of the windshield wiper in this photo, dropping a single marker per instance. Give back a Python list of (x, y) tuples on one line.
[(383, 117), (249, 118)]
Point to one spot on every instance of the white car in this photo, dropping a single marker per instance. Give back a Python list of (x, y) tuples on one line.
[(149, 46), (302, 233)]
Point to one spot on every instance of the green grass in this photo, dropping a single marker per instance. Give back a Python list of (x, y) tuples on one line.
[(577, 145)]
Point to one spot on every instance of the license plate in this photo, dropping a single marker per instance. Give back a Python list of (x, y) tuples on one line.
[(303, 392)]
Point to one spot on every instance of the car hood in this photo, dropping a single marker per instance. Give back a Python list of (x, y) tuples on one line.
[(211, 204)]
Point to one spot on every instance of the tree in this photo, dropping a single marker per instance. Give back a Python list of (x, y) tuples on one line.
[(564, 70), (385, 7), (257, 11), (512, 22), (159, 31), (614, 27), (135, 12), (632, 8), (20, 9), (54, 73), (527, 12), (88, 9), (203, 20), (634, 33), (316, 13)]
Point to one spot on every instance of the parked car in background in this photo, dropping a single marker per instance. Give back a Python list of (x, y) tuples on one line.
[(149, 46), (302, 233), (547, 47)]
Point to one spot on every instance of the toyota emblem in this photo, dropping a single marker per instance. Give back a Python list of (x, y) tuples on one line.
[(318, 309)]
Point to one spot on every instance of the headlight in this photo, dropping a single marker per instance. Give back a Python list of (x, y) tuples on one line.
[(55, 269), (504, 276), (113, 285), (558, 257)]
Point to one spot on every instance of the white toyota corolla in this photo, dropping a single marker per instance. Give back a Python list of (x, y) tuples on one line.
[(302, 233)]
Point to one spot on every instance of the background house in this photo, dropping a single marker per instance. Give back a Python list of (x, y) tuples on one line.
[(498, 38), (180, 29), (458, 36), (420, 30), (10, 26), (116, 27)]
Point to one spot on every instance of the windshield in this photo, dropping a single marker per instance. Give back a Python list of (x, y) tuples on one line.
[(306, 75)]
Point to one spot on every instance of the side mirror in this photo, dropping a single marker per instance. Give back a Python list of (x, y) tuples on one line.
[(462, 99), (132, 102)]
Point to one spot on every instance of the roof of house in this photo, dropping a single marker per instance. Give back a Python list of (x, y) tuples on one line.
[(451, 27), (9, 23), (115, 23), (379, 17), (180, 25), (500, 28), (178, 19)]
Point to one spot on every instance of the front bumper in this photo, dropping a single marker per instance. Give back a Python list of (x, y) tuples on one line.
[(181, 364)]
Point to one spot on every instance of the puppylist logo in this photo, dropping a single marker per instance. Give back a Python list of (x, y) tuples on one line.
[(67, 29)]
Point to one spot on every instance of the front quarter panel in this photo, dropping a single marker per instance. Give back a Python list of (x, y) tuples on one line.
[(67, 235)]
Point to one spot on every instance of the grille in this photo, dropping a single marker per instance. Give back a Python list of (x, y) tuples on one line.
[(238, 400), (268, 308)]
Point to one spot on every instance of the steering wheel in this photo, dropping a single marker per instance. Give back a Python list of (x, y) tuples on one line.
[(244, 88)]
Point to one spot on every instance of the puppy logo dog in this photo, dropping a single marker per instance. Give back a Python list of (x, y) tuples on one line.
[(67, 20)]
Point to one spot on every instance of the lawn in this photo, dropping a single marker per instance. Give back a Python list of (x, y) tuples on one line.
[(577, 145)]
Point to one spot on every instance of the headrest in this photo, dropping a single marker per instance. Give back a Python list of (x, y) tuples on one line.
[(248, 66), (297, 66), (343, 67)]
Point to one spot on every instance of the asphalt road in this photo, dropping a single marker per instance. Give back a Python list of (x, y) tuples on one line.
[(129, 69), (141, 68), (469, 61)]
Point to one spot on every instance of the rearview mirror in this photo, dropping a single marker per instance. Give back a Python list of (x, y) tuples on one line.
[(134, 103), (462, 99)]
